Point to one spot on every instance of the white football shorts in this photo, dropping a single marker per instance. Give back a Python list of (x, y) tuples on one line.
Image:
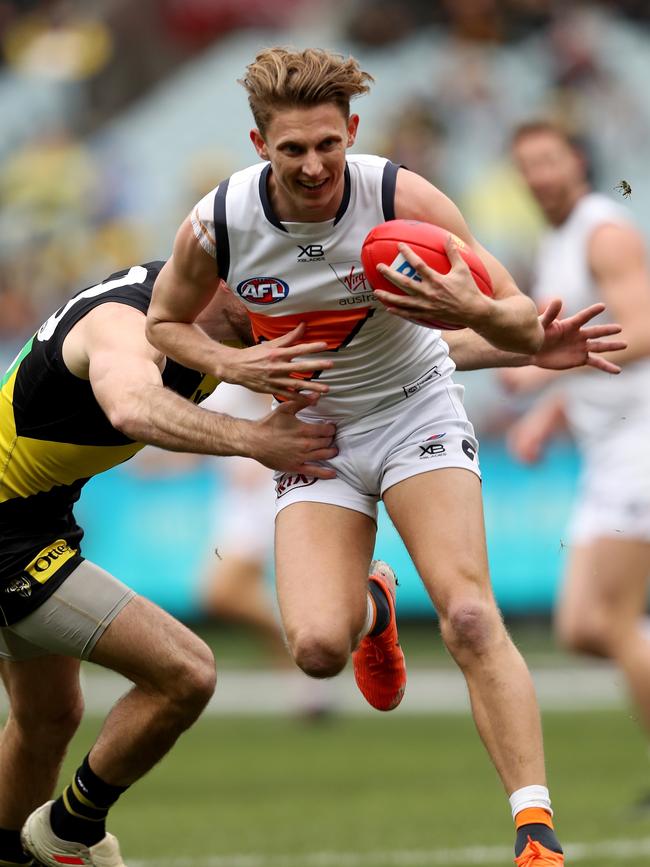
[(613, 497), (427, 431)]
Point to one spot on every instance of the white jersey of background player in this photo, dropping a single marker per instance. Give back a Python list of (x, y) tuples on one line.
[(609, 418), (593, 252)]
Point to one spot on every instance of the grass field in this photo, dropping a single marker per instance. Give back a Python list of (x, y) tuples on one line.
[(386, 791)]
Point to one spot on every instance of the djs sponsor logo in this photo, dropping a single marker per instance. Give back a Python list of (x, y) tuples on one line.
[(311, 253), (419, 383), (289, 481), (405, 268), (432, 447), (47, 561), (263, 290)]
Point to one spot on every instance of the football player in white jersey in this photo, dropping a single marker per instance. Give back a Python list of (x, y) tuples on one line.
[(286, 235), (592, 251)]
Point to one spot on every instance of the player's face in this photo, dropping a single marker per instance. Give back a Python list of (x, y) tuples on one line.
[(306, 148), (553, 170)]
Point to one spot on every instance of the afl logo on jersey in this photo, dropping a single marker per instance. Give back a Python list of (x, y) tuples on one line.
[(263, 290)]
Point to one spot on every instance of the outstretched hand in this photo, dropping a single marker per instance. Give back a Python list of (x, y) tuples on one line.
[(571, 342), (274, 367), (568, 343)]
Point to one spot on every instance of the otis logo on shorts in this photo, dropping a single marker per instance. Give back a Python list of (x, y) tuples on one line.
[(47, 561), (289, 481), (263, 290)]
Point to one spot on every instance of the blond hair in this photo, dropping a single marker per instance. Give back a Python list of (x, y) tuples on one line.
[(285, 78)]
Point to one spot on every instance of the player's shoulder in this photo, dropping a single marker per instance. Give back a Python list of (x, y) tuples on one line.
[(245, 175), (595, 208), (367, 162), (239, 178)]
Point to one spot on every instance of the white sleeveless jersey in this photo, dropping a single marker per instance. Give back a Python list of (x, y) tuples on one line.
[(599, 406), (287, 273)]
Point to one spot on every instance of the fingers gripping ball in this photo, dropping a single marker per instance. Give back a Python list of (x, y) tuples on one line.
[(428, 241)]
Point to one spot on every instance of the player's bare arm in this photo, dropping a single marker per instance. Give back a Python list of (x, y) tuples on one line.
[(226, 320), (618, 260), (568, 343), (124, 370), (508, 321), (530, 434), (183, 289)]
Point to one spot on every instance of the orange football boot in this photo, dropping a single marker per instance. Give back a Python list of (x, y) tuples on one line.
[(379, 666), (536, 855)]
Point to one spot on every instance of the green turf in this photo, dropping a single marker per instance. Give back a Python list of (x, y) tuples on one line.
[(371, 784), (237, 647)]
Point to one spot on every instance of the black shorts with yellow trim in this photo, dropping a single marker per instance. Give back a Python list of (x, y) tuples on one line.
[(35, 558)]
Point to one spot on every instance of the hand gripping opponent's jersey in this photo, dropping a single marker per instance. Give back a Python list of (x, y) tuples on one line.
[(287, 273), (53, 437)]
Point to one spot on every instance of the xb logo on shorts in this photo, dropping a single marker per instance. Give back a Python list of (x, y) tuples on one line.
[(432, 447), (263, 290)]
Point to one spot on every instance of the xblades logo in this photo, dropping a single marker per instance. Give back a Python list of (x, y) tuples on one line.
[(311, 253), (432, 447)]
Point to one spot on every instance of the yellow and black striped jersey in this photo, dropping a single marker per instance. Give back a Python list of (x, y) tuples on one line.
[(54, 436)]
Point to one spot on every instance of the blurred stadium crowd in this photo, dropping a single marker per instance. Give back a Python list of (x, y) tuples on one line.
[(97, 165)]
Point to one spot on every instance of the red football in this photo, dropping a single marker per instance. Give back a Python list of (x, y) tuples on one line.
[(428, 241)]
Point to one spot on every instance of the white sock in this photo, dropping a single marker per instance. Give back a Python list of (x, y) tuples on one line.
[(530, 796), (371, 615)]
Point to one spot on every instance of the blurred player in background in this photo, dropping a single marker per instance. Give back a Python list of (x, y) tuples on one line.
[(286, 234), (85, 393), (242, 536), (593, 252)]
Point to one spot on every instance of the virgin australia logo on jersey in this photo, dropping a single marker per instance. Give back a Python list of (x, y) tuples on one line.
[(263, 290), (352, 276)]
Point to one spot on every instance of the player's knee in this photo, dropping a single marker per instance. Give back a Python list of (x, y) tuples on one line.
[(193, 681), (471, 627), (582, 636), (319, 656), (50, 726)]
